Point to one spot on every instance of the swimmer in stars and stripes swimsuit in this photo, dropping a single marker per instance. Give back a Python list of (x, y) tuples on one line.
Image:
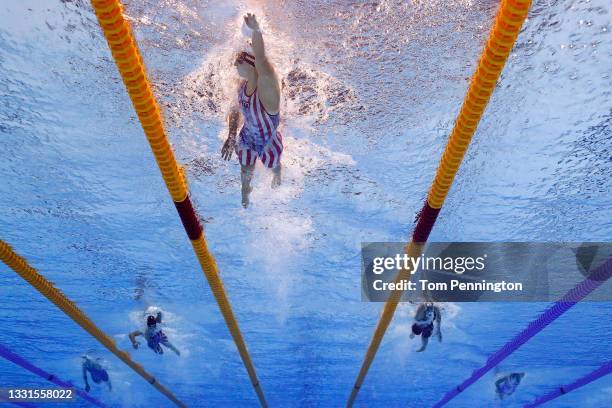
[(259, 98), (259, 136)]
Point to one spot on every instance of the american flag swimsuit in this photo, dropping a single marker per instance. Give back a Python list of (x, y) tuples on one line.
[(259, 136)]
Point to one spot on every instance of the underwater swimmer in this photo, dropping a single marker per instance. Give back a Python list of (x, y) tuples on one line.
[(96, 371), (506, 385), (154, 336), (425, 317), (259, 103)]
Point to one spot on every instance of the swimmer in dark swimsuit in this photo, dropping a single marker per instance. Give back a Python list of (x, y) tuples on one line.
[(154, 336), (426, 316), (506, 385), (96, 371)]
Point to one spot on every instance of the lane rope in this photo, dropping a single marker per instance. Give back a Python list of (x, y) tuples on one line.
[(22, 362), (596, 278), (602, 371), (508, 23), (46, 288), (124, 49)]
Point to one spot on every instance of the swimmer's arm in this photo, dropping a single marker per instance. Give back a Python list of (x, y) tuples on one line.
[(420, 312), (439, 324), (228, 147), (267, 81), (85, 376), (132, 337), (110, 387), (233, 117), (263, 66)]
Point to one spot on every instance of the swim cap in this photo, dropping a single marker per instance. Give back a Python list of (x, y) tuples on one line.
[(151, 321)]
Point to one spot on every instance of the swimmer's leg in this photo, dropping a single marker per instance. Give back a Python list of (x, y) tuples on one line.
[(276, 179), (246, 175), (424, 340), (171, 347)]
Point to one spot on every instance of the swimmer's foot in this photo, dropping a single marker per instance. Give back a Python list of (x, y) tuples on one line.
[(276, 179), (245, 196)]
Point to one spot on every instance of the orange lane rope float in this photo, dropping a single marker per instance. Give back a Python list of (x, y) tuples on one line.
[(508, 23), (125, 52)]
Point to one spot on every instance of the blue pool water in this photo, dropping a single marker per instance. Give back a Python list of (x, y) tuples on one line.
[(371, 92)]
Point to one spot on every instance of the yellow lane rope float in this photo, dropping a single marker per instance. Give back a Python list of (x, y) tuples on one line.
[(508, 23), (123, 47)]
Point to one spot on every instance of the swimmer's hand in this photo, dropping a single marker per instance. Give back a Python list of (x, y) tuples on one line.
[(135, 345), (439, 336), (251, 21), (228, 148), (87, 388)]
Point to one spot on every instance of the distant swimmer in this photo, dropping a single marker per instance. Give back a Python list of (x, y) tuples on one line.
[(154, 336), (425, 317), (259, 102), (95, 369), (507, 384)]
